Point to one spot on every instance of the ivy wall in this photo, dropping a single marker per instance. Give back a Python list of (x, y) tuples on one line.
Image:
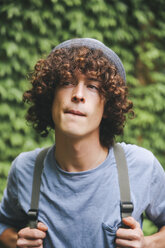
[(134, 29)]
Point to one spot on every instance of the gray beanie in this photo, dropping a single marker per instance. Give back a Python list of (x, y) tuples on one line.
[(95, 44)]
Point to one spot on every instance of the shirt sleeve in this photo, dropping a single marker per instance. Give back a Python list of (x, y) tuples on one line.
[(156, 208), (11, 214)]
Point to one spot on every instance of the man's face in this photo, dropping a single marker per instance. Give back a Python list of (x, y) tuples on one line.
[(78, 108)]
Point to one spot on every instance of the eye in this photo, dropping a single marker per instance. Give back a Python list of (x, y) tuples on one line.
[(93, 86), (66, 83)]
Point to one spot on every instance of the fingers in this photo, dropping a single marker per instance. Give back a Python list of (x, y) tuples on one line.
[(131, 222), (127, 243), (128, 234), (132, 237), (42, 227), (24, 243), (32, 237), (28, 233)]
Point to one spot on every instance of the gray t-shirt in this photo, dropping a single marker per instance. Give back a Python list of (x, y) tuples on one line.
[(82, 209)]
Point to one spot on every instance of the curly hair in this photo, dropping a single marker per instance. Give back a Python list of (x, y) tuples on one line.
[(61, 64)]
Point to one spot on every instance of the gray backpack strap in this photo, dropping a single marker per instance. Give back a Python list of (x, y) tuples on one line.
[(126, 205), (33, 212), (125, 198)]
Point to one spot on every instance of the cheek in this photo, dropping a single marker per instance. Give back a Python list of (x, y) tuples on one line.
[(101, 106), (55, 109), (99, 111), (100, 115), (58, 105)]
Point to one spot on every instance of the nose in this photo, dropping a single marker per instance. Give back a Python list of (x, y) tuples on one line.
[(78, 94)]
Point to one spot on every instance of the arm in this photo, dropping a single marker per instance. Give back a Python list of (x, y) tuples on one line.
[(8, 238), (13, 215), (156, 240), (134, 236)]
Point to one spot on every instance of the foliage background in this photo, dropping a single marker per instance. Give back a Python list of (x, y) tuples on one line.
[(134, 29)]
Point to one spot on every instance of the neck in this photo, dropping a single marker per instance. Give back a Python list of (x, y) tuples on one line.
[(81, 154)]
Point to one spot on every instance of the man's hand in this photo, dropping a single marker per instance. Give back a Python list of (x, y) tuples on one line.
[(32, 237), (133, 237)]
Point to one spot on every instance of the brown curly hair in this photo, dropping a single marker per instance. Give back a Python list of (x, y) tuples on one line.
[(61, 64)]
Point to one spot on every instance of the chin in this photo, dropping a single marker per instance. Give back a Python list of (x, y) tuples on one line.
[(74, 134)]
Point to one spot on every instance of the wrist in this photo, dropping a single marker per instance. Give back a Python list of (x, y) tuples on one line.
[(149, 242), (8, 238), (156, 240)]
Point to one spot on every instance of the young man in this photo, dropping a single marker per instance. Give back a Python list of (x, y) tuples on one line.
[(79, 90)]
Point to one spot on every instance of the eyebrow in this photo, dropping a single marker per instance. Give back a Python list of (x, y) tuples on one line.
[(94, 79)]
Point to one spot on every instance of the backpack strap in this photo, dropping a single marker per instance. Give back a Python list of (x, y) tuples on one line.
[(126, 205), (33, 211)]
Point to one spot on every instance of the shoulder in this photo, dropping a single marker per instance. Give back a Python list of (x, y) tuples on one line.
[(142, 164), (21, 172), (147, 177), (136, 150), (138, 155), (23, 164), (26, 159)]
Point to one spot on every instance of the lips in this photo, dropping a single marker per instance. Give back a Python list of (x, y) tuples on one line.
[(74, 112)]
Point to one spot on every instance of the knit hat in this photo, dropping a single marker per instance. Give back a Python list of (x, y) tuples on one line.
[(95, 44)]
